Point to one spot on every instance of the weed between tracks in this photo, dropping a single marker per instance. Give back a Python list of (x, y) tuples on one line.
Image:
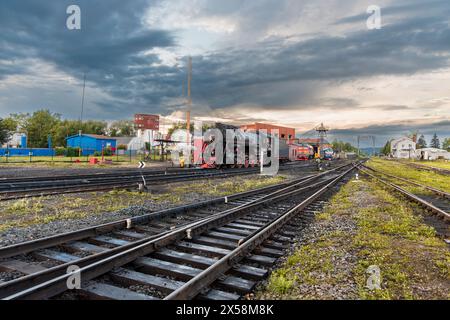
[(365, 225), (34, 211), (228, 187)]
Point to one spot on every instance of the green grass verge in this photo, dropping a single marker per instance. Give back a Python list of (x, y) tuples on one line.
[(399, 169), (444, 164), (414, 262)]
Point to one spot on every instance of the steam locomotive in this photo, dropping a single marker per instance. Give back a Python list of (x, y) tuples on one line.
[(287, 152), (248, 142)]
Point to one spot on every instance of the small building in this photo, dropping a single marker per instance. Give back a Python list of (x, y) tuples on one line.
[(17, 140), (403, 148), (90, 143), (287, 134), (124, 141), (432, 154), (350, 156)]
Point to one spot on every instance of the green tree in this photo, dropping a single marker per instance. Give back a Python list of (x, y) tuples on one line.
[(38, 126), (182, 126), (95, 127), (386, 149), (10, 124), (421, 143), (179, 126), (446, 144), (4, 131), (67, 128), (19, 120), (435, 143), (340, 146), (122, 128)]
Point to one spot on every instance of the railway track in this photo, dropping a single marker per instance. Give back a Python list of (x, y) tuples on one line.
[(18, 188), (186, 252), (428, 168), (438, 204)]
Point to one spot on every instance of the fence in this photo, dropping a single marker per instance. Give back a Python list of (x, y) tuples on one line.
[(31, 155)]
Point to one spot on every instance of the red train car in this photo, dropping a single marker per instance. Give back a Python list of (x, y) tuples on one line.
[(300, 152)]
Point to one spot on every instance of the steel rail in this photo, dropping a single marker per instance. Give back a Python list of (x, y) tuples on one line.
[(21, 283), (194, 286), (126, 182), (110, 180), (26, 247), (125, 173), (117, 172), (427, 205), (428, 168), (29, 246), (58, 285), (98, 186), (434, 190)]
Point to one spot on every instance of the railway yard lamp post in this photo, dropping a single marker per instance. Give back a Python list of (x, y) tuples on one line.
[(188, 114)]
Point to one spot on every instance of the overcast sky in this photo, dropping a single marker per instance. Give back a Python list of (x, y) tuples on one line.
[(291, 62)]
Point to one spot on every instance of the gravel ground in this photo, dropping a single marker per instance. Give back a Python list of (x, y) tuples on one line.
[(17, 235), (10, 275), (343, 259), (326, 264)]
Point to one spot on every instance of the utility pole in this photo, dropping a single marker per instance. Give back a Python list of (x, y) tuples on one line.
[(82, 99), (81, 114), (188, 111)]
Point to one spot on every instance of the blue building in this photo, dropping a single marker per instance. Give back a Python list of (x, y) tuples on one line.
[(90, 143)]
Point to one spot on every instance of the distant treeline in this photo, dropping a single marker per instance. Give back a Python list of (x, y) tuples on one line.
[(41, 124)]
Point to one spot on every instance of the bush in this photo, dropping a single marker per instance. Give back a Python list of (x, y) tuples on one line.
[(107, 152), (60, 152), (73, 152), (122, 147)]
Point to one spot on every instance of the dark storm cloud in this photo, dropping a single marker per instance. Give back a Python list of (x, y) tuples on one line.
[(259, 75), (386, 132), (273, 74), (108, 47), (407, 7), (390, 107)]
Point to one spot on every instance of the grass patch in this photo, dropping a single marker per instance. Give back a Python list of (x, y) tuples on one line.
[(237, 185), (405, 249), (403, 170), (443, 164), (414, 263), (313, 264)]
